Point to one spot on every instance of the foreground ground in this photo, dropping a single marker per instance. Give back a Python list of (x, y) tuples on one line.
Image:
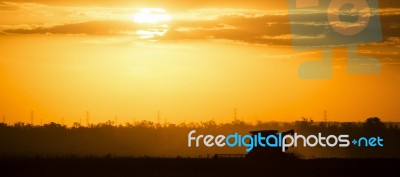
[(115, 167)]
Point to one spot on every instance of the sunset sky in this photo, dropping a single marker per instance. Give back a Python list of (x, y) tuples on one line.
[(191, 60)]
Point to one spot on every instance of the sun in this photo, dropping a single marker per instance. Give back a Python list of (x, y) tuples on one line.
[(152, 22), (152, 16)]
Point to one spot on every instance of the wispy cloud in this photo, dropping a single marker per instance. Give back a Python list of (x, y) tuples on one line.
[(240, 25), (88, 28)]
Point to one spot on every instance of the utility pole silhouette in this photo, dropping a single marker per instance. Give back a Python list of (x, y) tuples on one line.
[(235, 114), (87, 118), (32, 117), (158, 116)]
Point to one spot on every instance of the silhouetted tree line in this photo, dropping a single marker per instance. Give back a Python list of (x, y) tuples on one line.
[(146, 138)]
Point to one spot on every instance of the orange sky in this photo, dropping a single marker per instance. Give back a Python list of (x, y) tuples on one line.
[(62, 59)]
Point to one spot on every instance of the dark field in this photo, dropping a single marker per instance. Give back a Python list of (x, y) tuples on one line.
[(115, 167)]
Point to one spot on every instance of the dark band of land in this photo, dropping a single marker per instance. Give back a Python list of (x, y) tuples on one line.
[(192, 167)]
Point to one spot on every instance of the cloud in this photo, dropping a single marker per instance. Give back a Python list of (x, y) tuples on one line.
[(242, 22), (88, 28), (268, 27), (184, 4), (389, 41), (4, 6), (169, 4)]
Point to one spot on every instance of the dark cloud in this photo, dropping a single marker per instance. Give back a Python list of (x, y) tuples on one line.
[(237, 28), (266, 29), (89, 28)]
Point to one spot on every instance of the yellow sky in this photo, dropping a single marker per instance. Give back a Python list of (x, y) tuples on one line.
[(63, 59)]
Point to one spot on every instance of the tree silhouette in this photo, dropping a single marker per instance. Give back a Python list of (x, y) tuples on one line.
[(146, 138)]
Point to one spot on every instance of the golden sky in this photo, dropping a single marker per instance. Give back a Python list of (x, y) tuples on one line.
[(191, 60)]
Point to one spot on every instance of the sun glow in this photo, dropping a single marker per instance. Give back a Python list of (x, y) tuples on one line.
[(152, 22), (152, 16)]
